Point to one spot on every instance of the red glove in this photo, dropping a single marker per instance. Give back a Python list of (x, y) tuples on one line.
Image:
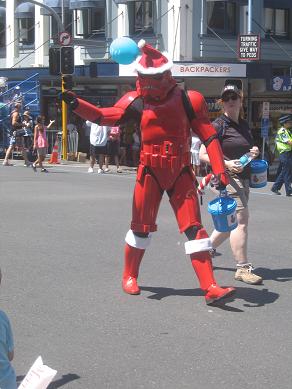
[(220, 181)]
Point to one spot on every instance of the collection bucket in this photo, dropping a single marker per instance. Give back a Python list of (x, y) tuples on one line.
[(259, 170), (223, 211)]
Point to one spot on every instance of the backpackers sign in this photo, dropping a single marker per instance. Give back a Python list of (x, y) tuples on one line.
[(249, 47)]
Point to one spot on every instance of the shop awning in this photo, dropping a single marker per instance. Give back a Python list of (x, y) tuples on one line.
[(267, 3), (24, 11), (2, 12), (80, 4), (278, 4), (126, 1), (55, 4)]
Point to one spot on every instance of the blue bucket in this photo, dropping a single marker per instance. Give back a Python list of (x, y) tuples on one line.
[(259, 172), (223, 211)]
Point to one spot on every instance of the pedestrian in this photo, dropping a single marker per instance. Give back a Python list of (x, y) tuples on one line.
[(195, 151), (27, 124), (123, 147), (7, 373), (114, 146), (165, 114), (284, 148), (98, 146), (236, 139), (16, 124), (40, 142), (136, 146)]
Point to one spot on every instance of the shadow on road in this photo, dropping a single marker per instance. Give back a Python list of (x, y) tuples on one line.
[(252, 297), (58, 383)]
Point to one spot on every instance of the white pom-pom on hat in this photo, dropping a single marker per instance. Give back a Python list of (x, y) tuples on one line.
[(141, 43)]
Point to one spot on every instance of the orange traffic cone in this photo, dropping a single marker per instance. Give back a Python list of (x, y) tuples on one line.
[(55, 153)]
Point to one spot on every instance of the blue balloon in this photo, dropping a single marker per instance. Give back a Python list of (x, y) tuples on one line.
[(124, 50)]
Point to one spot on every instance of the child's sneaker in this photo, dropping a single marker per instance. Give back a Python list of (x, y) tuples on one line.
[(100, 171), (6, 163), (90, 170)]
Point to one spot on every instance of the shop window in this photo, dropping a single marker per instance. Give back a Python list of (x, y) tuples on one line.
[(276, 22), (89, 22), (281, 71), (141, 16), (26, 31), (2, 32), (221, 17)]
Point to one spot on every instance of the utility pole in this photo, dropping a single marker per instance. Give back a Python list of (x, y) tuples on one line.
[(249, 21), (249, 31)]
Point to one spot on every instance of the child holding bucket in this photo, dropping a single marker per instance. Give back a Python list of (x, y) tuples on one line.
[(236, 140)]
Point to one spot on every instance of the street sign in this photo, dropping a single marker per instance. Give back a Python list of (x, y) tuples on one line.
[(265, 127), (248, 47), (65, 38), (266, 110)]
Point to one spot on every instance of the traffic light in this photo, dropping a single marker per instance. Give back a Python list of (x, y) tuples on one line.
[(54, 61), (67, 60), (67, 81)]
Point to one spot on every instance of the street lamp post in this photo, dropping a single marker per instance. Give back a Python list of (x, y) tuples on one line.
[(60, 24), (51, 10)]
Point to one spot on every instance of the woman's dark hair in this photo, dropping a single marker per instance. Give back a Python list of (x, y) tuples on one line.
[(39, 119)]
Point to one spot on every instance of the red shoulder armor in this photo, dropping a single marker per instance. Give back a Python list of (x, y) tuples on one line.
[(126, 100), (201, 124)]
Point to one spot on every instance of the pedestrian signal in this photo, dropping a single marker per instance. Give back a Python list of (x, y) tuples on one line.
[(54, 61), (67, 60)]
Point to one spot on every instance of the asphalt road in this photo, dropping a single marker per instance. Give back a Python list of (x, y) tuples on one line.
[(62, 238)]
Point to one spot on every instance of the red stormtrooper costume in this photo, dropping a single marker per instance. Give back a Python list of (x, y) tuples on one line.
[(166, 115)]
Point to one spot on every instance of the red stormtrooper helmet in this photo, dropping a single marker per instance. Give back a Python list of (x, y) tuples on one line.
[(154, 76)]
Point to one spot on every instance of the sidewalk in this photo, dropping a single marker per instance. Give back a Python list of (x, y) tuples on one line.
[(73, 164)]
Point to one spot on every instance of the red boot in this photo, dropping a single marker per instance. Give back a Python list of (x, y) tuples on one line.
[(215, 293), (133, 258), (202, 265)]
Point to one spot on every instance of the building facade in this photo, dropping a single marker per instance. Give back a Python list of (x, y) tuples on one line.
[(201, 36)]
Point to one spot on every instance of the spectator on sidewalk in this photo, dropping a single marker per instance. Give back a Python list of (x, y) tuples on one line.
[(7, 373), (40, 142), (123, 147), (136, 146), (27, 124), (114, 146), (284, 148), (98, 146), (16, 124)]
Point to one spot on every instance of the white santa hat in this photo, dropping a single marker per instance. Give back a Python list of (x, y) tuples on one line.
[(152, 61)]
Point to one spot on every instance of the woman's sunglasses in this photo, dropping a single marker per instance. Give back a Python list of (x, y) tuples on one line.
[(233, 97)]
